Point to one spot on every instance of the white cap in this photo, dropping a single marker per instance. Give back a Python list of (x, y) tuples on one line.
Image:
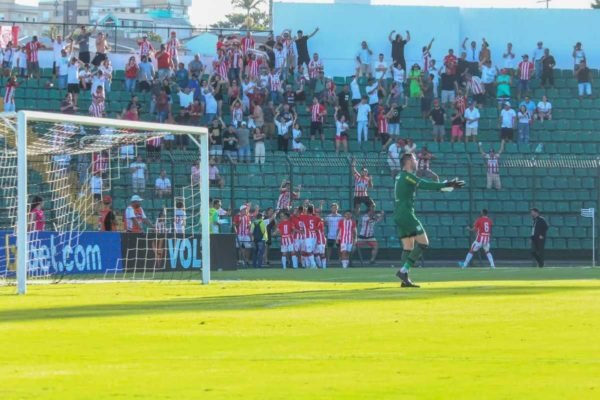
[(135, 197), (507, 104), (242, 207)]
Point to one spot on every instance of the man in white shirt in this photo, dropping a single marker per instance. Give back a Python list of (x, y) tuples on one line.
[(381, 68), (57, 46), (394, 152), (488, 78), (372, 89), (509, 58), (472, 118), (96, 186), (363, 60), (363, 116), (211, 106), (162, 185), (73, 79), (508, 118), (139, 174), (536, 58)]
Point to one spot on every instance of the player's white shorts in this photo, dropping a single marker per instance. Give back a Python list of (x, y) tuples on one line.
[(298, 245), (320, 249), (288, 248), (476, 246), (346, 247), (309, 245), (244, 242)]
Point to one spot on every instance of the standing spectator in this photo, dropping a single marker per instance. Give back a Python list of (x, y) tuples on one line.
[(107, 221), (195, 67), (524, 119), (97, 108), (509, 59), (139, 175), (317, 116), (341, 130), (394, 152), (243, 142), (182, 76), (366, 235), (475, 89), (536, 57), (135, 217), (363, 60), (315, 68), (297, 138), (399, 77), (398, 44), (450, 63), (544, 110), (449, 88), (67, 106), (344, 101), (162, 185), (363, 117), (162, 106), (410, 146), (259, 146), (548, 64), (372, 90), (62, 69), (131, 74), (214, 175), (57, 47), (230, 147), (302, 46), (33, 63), (394, 117), (472, 56), (457, 127), (472, 122), (102, 47), (508, 118), (20, 61), (485, 54), (37, 219), (283, 125), (269, 118), (146, 48), (427, 96), (424, 158), (426, 55), (415, 84), (438, 118), (362, 183), (503, 85), (488, 78), (538, 237), (259, 236), (164, 63), (215, 138), (434, 74), (578, 55), (173, 47), (493, 167), (381, 69), (584, 80), (526, 69), (529, 105), (9, 94), (460, 102), (83, 41), (96, 186), (195, 173), (146, 74), (247, 43)]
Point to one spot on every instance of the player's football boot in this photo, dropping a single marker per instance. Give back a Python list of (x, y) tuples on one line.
[(462, 265), (406, 282)]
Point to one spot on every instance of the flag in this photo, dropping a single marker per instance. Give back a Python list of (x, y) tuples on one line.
[(588, 212)]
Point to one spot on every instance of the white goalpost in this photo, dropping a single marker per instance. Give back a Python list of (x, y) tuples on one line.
[(49, 135)]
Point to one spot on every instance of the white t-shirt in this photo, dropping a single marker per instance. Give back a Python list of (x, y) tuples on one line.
[(380, 74), (96, 184), (162, 183), (364, 56), (373, 97), (579, 56), (340, 127), (544, 107), (296, 134), (332, 221), (63, 66), (507, 118), (211, 103), (398, 75), (19, 59), (509, 60), (185, 99), (355, 89), (97, 81), (524, 117), (140, 169), (537, 53), (362, 113), (410, 148), (472, 114), (394, 152), (179, 222), (283, 128), (57, 49), (488, 74), (73, 74)]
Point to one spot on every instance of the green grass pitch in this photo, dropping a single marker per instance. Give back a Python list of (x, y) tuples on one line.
[(512, 333)]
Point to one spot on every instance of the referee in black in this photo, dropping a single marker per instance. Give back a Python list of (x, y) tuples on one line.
[(538, 236)]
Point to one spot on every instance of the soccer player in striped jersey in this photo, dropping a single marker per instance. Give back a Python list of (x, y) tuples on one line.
[(320, 257), (346, 237), (483, 230), (285, 229), (298, 236), (309, 224)]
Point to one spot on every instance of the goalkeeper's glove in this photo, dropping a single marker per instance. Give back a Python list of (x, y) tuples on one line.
[(453, 184)]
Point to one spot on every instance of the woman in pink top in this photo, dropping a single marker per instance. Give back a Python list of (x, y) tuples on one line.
[(37, 218)]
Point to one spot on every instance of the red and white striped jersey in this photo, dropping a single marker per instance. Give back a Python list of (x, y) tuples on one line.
[(222, 69), (483, 227), (460, 103), (172, 46), (321, 231), (31, 49), (382, 122), (283, 202), (346, 228), (9, 94), (145, 48), (475, 85), (310, 223), (367, 226), (253, 67), (314, 68), (299, 231), (361, 185), (243, 225), (97, 107), (286, 229), (235, 58), (275, 82), (426, 59), (493, 167), (525, 70), (99, 163), (247, 43), (316, 112)]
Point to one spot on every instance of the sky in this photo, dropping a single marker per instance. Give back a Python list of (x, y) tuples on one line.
[(206, 12)]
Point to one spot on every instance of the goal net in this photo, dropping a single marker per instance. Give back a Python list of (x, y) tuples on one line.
[(95, 198)]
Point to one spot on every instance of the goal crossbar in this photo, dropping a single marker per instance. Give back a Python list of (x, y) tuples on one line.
[(25, 117)]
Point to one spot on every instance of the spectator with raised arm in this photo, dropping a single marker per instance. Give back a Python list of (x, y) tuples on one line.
[(301, 41), (493, 166), (398, 44)]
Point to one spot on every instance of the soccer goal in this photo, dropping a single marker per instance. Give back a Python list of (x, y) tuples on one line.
[(61, 175)]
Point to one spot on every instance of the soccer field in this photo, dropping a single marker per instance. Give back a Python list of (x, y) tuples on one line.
[(512, 333)]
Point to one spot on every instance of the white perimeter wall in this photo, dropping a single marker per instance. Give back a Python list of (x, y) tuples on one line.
[(344, 26)]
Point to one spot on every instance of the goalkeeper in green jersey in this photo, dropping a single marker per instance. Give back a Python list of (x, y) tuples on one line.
[(411, 232)]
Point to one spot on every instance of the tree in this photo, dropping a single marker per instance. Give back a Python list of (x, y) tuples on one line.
[(595, 4), (248, 6), (260, 21)]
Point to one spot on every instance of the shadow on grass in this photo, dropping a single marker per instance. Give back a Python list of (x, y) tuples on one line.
[(273, 300)]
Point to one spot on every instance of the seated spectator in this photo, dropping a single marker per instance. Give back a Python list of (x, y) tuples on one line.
[(214, 176), (230, 144), (67, 106), (195, 67), (524, 121), (584, 80), (544, 110), (297, 138), (139, 175), (162, 185), (182, 76)]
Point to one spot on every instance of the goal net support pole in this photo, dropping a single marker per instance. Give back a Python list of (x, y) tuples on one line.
[(25, 117)]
